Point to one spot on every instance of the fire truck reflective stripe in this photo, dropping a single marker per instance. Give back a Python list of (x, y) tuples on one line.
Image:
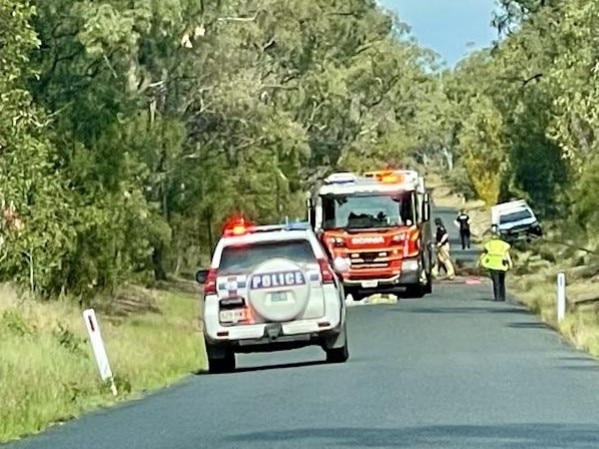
[(280, 279)]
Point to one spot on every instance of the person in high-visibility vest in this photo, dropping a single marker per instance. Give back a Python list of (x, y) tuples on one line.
[(497, 260)]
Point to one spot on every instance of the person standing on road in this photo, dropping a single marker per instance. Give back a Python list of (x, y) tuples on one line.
[(497, 260), (443, 253), (462, 222)]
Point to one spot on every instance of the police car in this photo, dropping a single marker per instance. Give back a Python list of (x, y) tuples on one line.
[(272, 288)]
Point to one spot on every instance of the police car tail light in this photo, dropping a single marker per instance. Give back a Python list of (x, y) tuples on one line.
[(210, 285), (325, 270)]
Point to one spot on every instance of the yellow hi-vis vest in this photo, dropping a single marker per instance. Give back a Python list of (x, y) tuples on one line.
[(496, 253)]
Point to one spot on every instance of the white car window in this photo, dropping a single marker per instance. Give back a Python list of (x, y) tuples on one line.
[(244, 258), (523, 214)]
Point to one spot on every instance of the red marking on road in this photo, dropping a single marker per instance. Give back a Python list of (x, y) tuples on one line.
[(460, 280)]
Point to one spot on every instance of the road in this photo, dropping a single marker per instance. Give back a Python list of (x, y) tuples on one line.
[(453, 370)]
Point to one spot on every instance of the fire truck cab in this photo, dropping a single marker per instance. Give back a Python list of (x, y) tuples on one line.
[(380, 221)]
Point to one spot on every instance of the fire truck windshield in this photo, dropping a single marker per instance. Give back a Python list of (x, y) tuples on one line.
[(368, 211)]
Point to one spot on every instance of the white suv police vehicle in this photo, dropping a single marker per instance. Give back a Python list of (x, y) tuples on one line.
[(272, 288)]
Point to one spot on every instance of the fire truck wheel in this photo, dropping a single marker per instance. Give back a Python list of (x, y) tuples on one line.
[(428, 288), (416, 291), (354, 292)]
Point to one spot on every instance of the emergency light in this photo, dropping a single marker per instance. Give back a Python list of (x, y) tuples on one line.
[(237, 225), (386, 176)]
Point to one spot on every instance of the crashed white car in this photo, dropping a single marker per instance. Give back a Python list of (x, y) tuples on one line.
[(272, 288), (515, 220)]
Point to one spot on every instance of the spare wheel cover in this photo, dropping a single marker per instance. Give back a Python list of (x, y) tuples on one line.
[(279, 290)]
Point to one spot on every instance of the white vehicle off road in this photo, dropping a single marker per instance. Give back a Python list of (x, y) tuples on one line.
[(272, 288), (515, 221)]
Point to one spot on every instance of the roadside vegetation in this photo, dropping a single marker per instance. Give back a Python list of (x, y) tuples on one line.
[(525, 112), (48, 371)]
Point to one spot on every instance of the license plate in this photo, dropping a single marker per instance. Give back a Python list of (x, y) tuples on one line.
[(370, 284), (279, 297), (233, 316)]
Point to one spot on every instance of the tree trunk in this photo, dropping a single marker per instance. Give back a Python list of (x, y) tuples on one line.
[(448, 158), (178, 265), (157, 261), (209, 230)]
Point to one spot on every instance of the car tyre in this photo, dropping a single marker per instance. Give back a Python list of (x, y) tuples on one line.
[(220, 365), (338, 355), (337, 350), (417, 291)]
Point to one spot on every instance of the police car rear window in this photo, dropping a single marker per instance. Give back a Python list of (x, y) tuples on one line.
[(247, 257)]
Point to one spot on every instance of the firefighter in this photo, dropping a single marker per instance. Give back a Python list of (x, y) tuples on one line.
[(462, 222), (497, 260), (443, 253)]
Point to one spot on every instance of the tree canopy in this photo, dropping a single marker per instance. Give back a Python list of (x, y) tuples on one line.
[(528, 108), (130, 130)]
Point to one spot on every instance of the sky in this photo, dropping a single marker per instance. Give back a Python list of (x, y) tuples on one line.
[(447, 26)]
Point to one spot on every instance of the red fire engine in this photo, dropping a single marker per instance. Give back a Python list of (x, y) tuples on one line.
[(380, 221)]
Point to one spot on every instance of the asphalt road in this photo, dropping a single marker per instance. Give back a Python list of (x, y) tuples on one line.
[(452, 370)]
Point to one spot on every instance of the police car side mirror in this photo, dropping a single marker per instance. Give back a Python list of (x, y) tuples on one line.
[(201, 276), (341, 265)]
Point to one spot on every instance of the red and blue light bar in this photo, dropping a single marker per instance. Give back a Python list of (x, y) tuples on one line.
[(239, 225)]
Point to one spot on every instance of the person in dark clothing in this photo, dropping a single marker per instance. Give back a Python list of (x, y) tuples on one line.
[(463, 223)]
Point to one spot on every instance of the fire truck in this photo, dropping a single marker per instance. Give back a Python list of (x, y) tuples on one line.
[(380, 221)]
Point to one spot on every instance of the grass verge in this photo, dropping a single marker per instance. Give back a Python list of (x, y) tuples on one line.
[(533, 280), (48, 371), (535, 287)]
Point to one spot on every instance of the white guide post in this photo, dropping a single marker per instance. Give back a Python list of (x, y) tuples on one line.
[(561, 296), (95, 338)]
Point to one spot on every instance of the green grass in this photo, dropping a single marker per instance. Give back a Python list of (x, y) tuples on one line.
[(48, 373), (580, 327)]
